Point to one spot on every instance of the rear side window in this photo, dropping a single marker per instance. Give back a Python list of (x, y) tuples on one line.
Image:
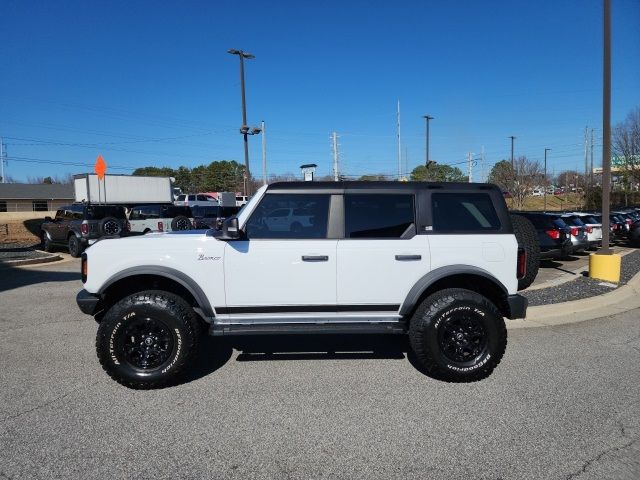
[(98, 212), (463, 212), (181, 198), (378, 216)]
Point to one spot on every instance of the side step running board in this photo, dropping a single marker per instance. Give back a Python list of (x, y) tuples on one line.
[(305, 328)]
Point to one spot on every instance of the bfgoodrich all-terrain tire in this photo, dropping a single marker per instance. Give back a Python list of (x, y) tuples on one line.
[(527, 237), (148, 339), (458, 335)]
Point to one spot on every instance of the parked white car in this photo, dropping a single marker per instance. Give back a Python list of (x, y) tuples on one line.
[(288, 219), (192, 199), (160, 218)]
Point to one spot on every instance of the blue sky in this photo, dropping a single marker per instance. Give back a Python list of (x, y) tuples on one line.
[(150, 83)]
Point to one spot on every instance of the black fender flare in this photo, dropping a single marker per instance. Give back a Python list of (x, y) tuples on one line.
[(438, 274), (172, 274)]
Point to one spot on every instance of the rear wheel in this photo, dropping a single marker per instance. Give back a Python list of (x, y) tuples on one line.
[(75, 247), (527, 237), (45, 243), (458, 335), (148, 339)]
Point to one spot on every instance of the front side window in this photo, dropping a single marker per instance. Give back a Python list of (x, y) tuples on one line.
[(289, 216), (378, 216), (464, 212)]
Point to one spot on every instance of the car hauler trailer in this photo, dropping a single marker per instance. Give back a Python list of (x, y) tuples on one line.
[(122, 189)]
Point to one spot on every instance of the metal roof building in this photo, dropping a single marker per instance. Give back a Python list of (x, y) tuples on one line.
[(27, 197)]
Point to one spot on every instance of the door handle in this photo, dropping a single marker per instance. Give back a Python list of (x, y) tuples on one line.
[(406, 258), (315, 258)]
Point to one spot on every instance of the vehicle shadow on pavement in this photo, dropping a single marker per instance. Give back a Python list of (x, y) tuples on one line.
[(213, 354), (12, 277)]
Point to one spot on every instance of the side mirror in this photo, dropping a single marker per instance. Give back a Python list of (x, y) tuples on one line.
[(48, 219), (231, 229)]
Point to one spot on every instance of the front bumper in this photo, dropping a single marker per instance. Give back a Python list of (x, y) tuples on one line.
[(88, 303), (517, 306)]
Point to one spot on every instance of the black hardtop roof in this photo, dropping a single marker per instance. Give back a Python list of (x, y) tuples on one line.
[(380, 185)]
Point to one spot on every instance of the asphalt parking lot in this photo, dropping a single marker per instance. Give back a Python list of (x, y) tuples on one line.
[(563, 404)]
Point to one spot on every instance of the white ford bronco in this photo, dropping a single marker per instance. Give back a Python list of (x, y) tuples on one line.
[(437, 261)]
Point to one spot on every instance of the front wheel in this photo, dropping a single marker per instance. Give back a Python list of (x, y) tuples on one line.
[(148, 339), (46, 243), (458, 335)]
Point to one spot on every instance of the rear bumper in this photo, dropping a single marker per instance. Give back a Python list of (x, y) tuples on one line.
[(517, 306), (88, 303)]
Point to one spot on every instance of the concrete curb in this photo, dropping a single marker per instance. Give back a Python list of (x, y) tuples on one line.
[(622, 299), (577, 273), (30, 261)]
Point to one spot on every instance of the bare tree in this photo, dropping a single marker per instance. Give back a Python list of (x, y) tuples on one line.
[(519, 180), (626, 145)]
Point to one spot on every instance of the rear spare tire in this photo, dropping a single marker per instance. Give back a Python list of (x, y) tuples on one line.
[(180, 223), (110, 226), (527, 237)]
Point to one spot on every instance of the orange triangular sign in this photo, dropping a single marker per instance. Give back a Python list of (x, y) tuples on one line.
[(100, 167)]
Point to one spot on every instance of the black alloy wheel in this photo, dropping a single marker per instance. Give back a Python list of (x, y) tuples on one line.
[(462, 338), (145, 343)]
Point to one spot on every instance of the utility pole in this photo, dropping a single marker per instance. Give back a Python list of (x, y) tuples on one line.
[(482, 166), (591, 168), (545, 178), (399, 144), (512, 162), (470, 166), (2, 160), (264, 153), (334, 142), (426, 137), (244, 129), (586, 151)]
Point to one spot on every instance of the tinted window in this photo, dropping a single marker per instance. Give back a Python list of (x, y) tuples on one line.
[(205, 212), (229, 211), (575, 221), (272, 219), (192, 198), (181, 198), (98, 212), (378, 216), (464, 211)]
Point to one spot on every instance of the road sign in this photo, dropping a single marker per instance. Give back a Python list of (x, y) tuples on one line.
[(100, 167)]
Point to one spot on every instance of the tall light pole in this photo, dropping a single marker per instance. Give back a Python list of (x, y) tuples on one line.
[(512, 162), (426, 139), (606, 126), (545, 178), (244, 129)]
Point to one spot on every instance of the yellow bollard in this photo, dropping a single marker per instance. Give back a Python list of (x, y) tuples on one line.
[(605, 267)]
